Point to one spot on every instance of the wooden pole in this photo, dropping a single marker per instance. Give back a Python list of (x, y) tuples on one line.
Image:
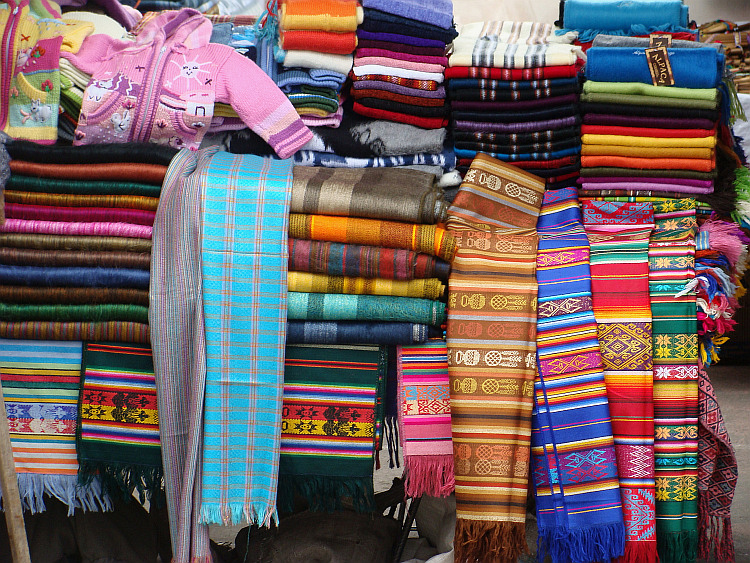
[(19, 546)]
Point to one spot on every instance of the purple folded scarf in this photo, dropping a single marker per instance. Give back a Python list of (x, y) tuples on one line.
[(396, 38), (439, 93)]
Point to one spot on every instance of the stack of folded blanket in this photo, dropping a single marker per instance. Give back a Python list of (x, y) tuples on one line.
[(400, 61), (514, 91), (367, 262), (315, 45)]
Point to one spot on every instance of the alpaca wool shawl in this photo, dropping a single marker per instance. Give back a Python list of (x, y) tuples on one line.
[(579, 511), (491, 337), (613, 15), (618, 235), (375, 193)]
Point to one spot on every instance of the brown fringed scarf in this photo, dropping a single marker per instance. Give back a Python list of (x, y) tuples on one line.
[(491, 338)]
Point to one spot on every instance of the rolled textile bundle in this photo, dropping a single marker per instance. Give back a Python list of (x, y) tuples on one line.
[(70, 295), (654, 101), (73, 276), (428, 239), (692, 68), (357, 332), (638, 88), (435, 164), (31, 183), (74, 312), (87, 243), (70, 228), (324, 15), (590, 17), (78, 214), (91, 258), (339, 259), (147, 204), (111, 331), (115, 171), (306, 282), (103, 153), (377, 193)]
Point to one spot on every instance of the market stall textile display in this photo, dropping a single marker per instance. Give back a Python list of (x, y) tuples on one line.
[(118, 429), (577, 491), (618, 234), (491, 339), (40, 382), (424, 419), (328, 425)]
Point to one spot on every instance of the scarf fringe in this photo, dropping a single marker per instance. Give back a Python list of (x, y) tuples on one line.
[(391, 438), (253, 513), (480, 541), (677, 547), (89, 498), (431, 475), (327, 494), (124, 479), (639, 552), (714, 534), (582, 545)]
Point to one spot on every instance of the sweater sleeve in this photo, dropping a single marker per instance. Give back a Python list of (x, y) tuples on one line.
[(261, 105)]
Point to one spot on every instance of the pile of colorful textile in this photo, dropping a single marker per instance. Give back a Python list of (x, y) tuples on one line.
[(735, 40), (514, 91), (400, 61)]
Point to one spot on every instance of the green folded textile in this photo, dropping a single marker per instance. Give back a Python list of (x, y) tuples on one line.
[(595, 171), (638, 88), (61, 186), (78, 313), (638, 100)]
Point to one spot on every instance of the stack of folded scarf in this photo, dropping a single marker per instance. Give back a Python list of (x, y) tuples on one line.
[(735, 39), (367, 262), (316, 42), (653, 140), (638, 17), (400, 61), (514, 95), (76, 241)]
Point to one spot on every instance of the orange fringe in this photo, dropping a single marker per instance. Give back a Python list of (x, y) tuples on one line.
[(479, 541)]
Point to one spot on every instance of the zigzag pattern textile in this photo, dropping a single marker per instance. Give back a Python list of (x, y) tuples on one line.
[(579, 511), (618, 235)]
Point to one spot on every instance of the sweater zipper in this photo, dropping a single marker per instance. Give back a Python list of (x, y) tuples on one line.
[(7, 65), (149, 103)]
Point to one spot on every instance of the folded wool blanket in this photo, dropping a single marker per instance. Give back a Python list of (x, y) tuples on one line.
[(76, 313), (494, 73), (524, 127), (118, 430), (436, 96), (592, 86), (647, 151), (73, 276), (409, 99), (691, 68), (391, 115), (319, 41), (88, 243), (434, 164), (31, 183), (397, 39), (382, 53), (424, 419), (525, 157), (90, 154), (619, 171), (312, 59), (653, 101), (548, 146), (340, 259), (689, 116), (591, 17), (428, 239), (76, 228), (509, 44), (346, 307), (323, 15), (514, 85), (495, 95), (305, 282), (78, 214), (434, 12), (401, 48), (324, 78), (72, 295), (604, 40), (380, 21), (115, 171), (387, 62), (651, 142), (111, 331), (356, 332), (126, 203), (649, 122), (376, 193), (517, 116), (510, 106), (360, 70), (543, 136), (697, 164), (651, 132)]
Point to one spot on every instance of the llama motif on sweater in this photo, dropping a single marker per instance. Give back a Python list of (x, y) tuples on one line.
[(163, 87)]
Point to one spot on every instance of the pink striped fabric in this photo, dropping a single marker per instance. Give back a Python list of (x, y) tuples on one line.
[(61, 228)]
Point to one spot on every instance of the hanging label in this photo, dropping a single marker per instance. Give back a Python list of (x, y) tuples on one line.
[(659, 66), (660, 40)]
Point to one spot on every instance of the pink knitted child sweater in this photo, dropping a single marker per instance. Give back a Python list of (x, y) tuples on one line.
[(162, 88)]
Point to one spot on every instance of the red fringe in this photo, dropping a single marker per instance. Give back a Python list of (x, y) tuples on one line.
[(481, 541), (639, 552), (429, 475), (714, 534)]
